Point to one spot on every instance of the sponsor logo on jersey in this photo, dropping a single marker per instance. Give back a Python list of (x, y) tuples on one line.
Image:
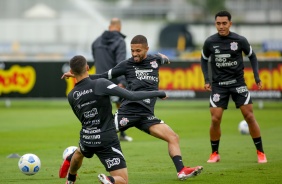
[(87, 103), (242, 89), (91, 137), (112, 162), (91, 131), (123, 121), (144, 74), (91, 113), (93, 122), (217, 51), (91, 142), (222, 61), (154, 64), (78, 94), (216, 97), (234, 46)]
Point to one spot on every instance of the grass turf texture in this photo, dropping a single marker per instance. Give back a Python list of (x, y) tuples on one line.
[(47, 127)]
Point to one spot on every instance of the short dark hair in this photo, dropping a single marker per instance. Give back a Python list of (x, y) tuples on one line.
[(223, 13), (77, 64), (139, 39)]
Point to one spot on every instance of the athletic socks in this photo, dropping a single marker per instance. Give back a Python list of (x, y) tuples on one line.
[(111, 179), (71, 177), (177, 160), (258, 144), (214, 146)]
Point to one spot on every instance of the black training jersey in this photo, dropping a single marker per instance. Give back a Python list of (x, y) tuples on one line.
[(91, 104), (142, 76), (226, 57)]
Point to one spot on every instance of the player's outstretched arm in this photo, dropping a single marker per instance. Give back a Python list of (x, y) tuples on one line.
[(106, 87)]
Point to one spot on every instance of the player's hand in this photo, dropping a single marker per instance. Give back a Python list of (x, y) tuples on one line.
[(165, 57), (67, 75), (121, 85), (259, 85), (164, 98), (207, 87)]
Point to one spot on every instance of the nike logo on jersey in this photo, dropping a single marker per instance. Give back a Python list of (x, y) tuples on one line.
[(215, 46)]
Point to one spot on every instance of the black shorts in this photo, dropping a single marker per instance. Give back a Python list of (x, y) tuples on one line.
[(220, 95), (110, 155), (142, 121)]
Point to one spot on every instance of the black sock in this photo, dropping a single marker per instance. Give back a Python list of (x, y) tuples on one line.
[(177, 160), (214, 146), (71, 177), (70, 156), (111, 179), (258, 144)]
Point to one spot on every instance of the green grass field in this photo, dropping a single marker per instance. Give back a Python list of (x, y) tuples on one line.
[(47, 127)]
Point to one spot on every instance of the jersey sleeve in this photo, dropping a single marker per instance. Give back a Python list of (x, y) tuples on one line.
[(247, 49), (204, 62), (115, 72), (106, 87)]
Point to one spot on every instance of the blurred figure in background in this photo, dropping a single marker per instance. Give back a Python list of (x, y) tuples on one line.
[(108, 50), (225, 51)]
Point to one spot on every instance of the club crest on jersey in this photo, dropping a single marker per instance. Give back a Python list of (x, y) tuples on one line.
[(216, 97), (123, 121), (147, 101), (234, 46), (154, 64)]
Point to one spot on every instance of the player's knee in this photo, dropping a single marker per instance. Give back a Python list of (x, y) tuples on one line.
[(249, 117), (216, 120), (174, 137)]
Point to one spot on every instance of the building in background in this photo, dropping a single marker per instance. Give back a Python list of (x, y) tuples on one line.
[(57, 30)]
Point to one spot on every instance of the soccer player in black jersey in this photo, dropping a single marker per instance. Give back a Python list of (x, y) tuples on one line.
[(108, 50), (142, 73), (225, 52), (90, 102)]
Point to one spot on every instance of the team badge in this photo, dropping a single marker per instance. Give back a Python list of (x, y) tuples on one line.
[(147, 101), (154, 64), (234, 46), (216, 97), (123, 121)]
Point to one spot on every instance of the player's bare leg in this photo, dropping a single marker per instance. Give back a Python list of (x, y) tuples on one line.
[(164, 132), (247, 111), (215, 133)]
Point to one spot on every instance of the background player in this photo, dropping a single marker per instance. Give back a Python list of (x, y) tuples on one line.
[(225, 51)]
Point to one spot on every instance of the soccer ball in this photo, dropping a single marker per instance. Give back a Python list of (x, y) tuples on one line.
[(69, 150), (243, 127), (29, 164)]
